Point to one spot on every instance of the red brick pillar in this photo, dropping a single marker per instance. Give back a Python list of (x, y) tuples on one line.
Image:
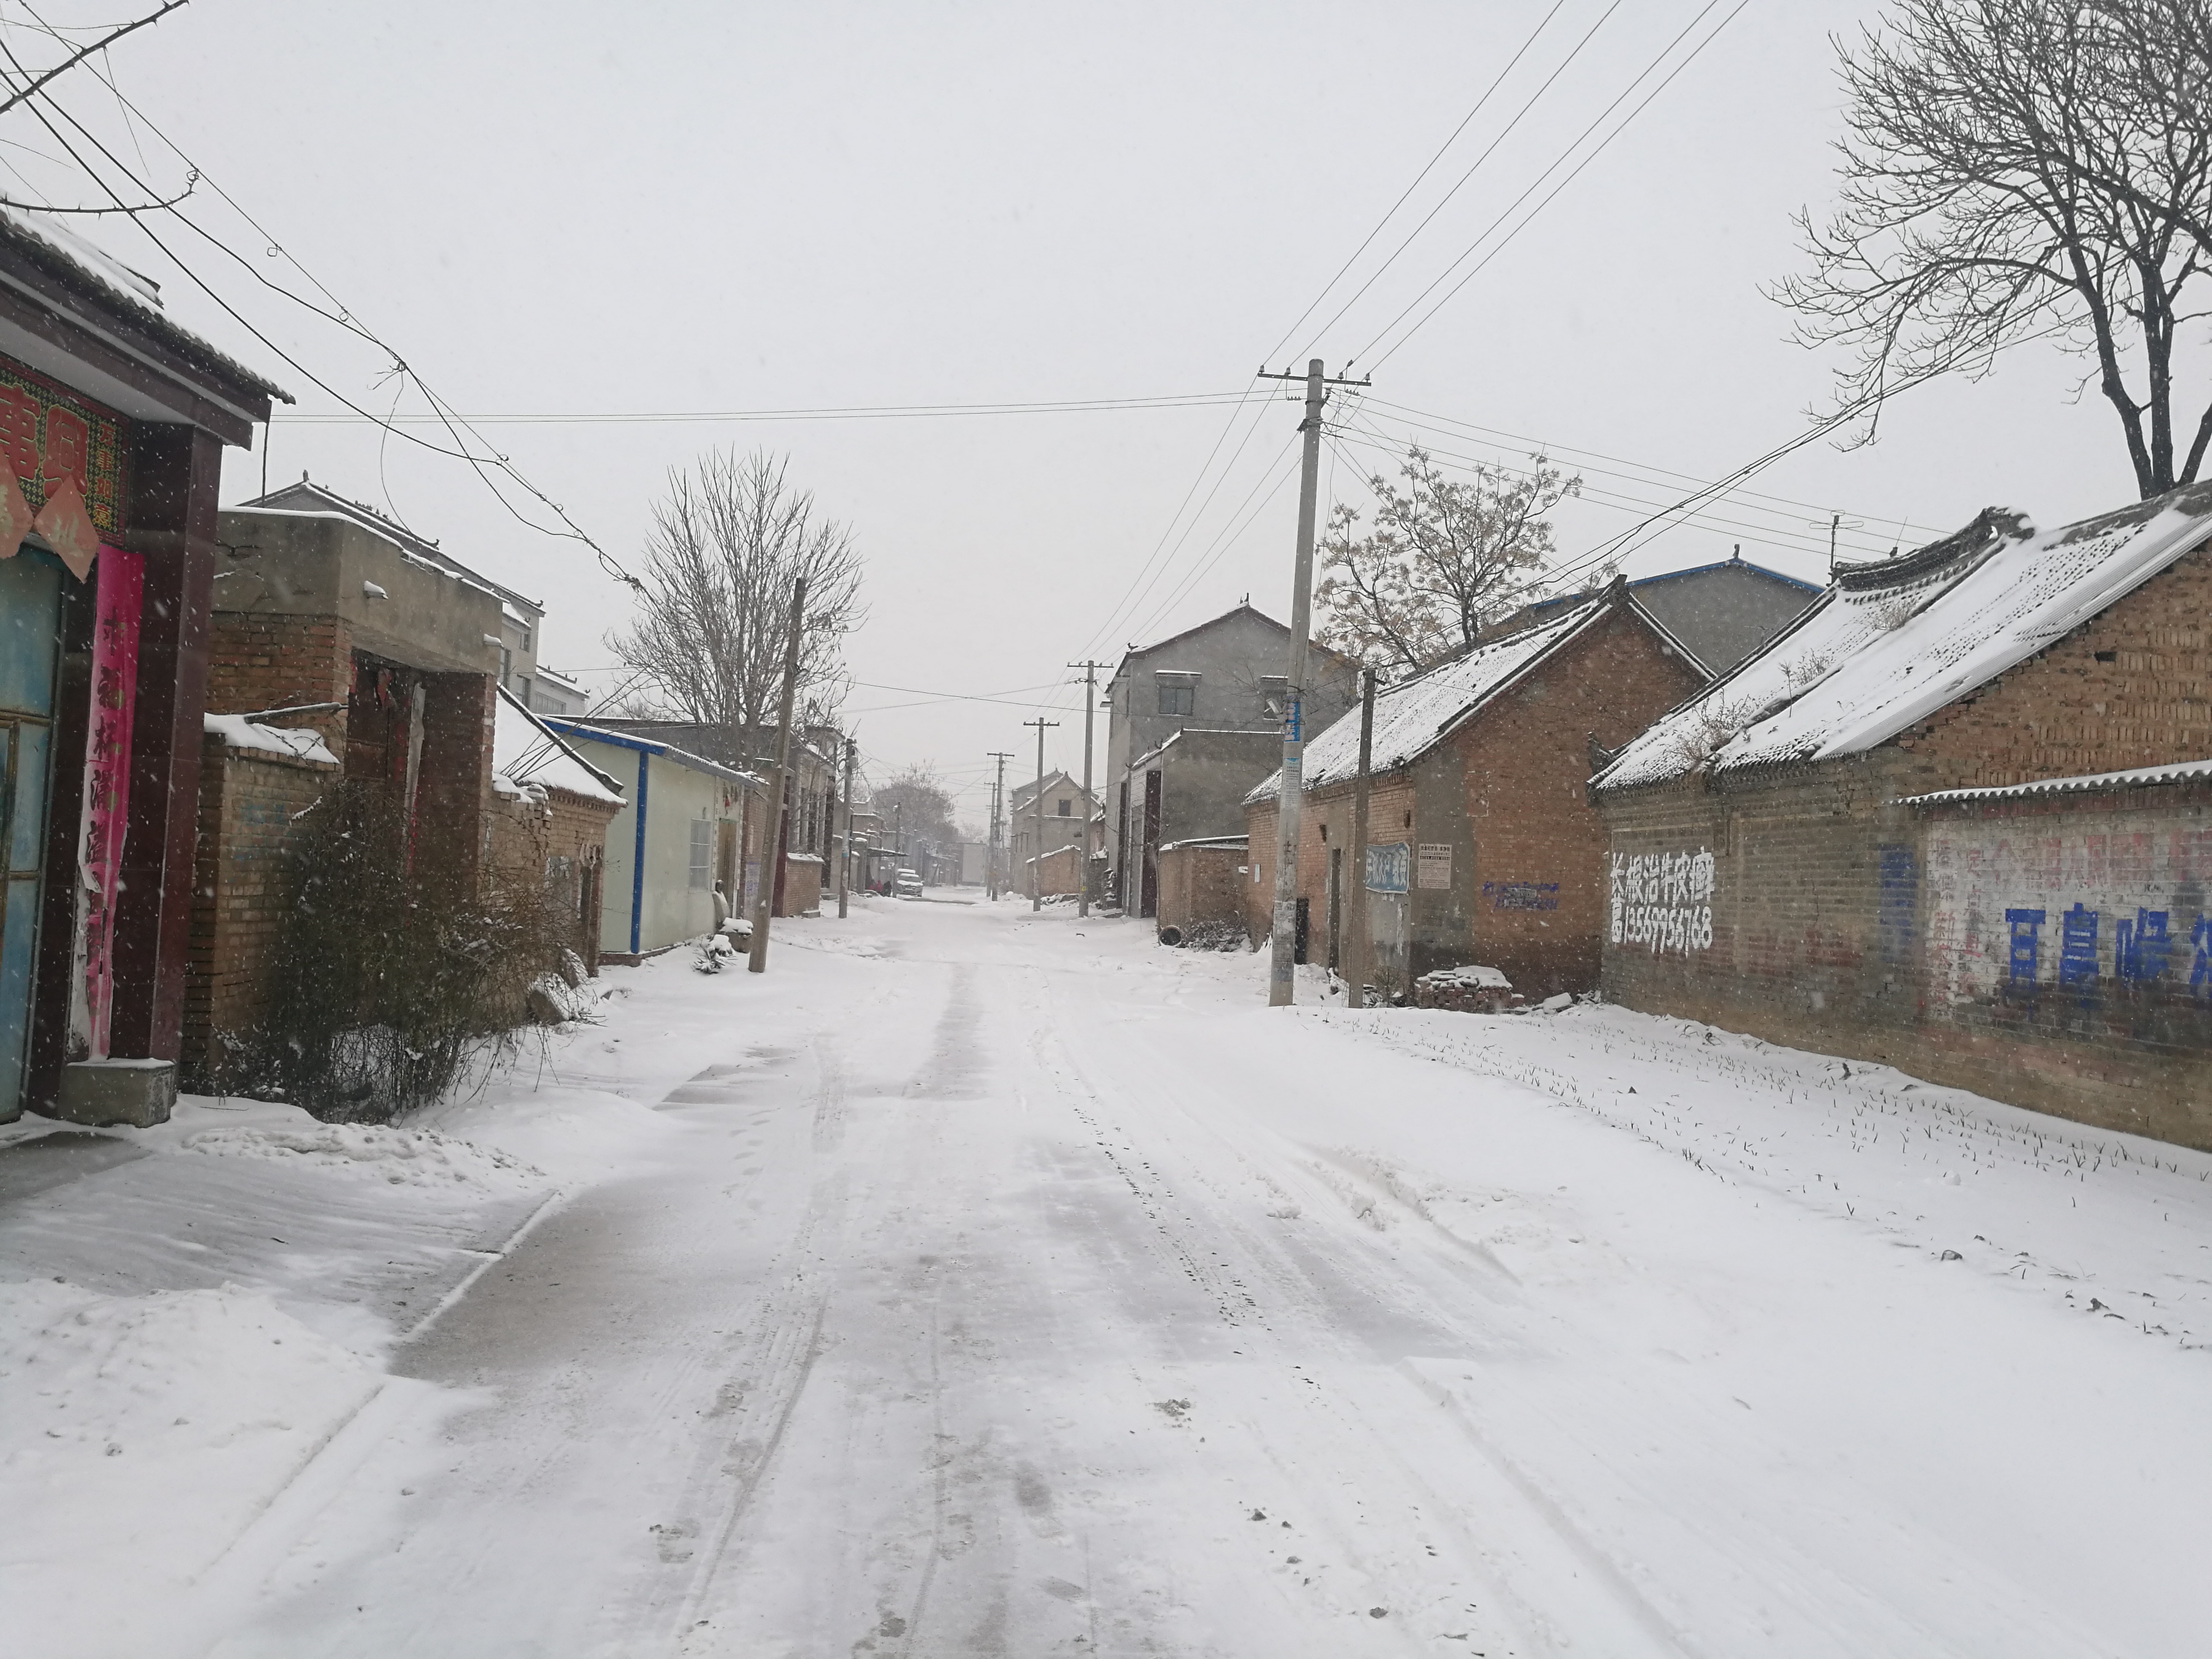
[(170, 517)]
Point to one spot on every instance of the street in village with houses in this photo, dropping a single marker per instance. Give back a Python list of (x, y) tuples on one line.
[(714, 1004)]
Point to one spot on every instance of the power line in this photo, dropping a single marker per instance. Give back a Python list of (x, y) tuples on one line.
[(1504, 134), (1370, 438), (1450, 425), (448, 418), (1275, 350), (850, 412), (1695, 52)]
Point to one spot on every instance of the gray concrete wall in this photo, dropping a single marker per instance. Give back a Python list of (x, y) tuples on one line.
[(309, 565), (1208, 775), (1725, 612), (1231, 656)]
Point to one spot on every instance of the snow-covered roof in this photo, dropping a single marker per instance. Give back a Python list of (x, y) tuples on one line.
[(137, 296), (1229, 843), (2087, 783), (241, 732), (682, 757), (1414, 717), (525, 752), (309, 497), (1892, 642)]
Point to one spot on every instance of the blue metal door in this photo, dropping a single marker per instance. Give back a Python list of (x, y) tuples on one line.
[(30, 638)]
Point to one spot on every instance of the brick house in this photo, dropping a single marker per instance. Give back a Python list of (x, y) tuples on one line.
[(338, 653), (1951, 820), (112, 423), (551, 812), (1482, 847), (1069, 817)]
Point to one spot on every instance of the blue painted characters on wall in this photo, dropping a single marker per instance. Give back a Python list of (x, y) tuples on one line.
[(2141, 950)]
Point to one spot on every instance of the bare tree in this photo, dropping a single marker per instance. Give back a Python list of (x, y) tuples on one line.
[(2022, 166), (1446, 556), (924, 804), (707, 642)]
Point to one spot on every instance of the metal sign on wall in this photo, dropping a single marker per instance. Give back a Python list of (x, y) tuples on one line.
[(1388, 867)]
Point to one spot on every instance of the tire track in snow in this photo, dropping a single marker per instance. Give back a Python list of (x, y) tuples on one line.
[(763, 1389)]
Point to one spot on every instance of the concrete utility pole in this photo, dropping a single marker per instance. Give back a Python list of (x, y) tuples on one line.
[(1090, 708), (995, 878), (1355, 957), (1036, 815), (779, 810), (845, 840), (1282, 961)]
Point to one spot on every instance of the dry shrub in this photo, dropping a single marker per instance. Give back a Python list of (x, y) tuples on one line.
[(393, 975)]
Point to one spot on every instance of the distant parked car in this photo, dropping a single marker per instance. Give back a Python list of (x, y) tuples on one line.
[(907, 884)]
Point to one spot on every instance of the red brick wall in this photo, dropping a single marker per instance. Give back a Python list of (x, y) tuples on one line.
[(258, 662), (248, 801), (1538, 841), (1821, 906), (1508, 795), (1203, 886)]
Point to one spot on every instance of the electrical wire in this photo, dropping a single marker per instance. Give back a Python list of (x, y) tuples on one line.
[(1314, 305), (1693, 55), (1534, 98), (850, 412), (572, 531)]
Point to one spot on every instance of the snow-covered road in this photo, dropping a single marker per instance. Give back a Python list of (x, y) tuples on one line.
[(979, 1284)]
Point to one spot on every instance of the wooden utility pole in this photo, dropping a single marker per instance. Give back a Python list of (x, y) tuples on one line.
[(1282, 961), (845, 840), (779, 810), (1037, 816), (1090, 708), (1355, 957), (995, 879)]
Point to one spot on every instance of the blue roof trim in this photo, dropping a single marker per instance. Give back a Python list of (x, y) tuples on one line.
[(569, 728)]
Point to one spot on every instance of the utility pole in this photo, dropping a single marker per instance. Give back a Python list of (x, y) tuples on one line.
[(1090, 708), (1355, 993), (995, 880), (845, 840), (779, 810), (1282, 962), (1037, 816)]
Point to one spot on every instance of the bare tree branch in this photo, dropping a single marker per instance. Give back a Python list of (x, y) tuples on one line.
[(2013, 167), (727, 542), (97, 46), (1446, 556)]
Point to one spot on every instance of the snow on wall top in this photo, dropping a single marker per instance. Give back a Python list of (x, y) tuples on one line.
[(525, 752), (301, 743), (1413, 717), (1891, 643), (2087, 783)]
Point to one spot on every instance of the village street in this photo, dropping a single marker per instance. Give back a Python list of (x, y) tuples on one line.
[(979, 1283)]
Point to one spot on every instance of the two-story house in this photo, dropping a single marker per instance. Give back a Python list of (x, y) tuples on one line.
[(1224, 684)]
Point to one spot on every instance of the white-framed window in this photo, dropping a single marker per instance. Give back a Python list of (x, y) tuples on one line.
[(702, 854)]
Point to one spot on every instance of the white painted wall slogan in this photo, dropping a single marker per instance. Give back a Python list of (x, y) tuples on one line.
[(1663, 900)]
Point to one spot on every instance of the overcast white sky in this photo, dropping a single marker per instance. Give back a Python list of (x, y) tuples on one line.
[(552, 208)]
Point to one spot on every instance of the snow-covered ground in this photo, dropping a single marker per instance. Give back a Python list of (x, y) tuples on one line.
[(980, 1283)]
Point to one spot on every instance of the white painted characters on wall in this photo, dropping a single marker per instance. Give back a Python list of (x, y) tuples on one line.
[(1663, 900)]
